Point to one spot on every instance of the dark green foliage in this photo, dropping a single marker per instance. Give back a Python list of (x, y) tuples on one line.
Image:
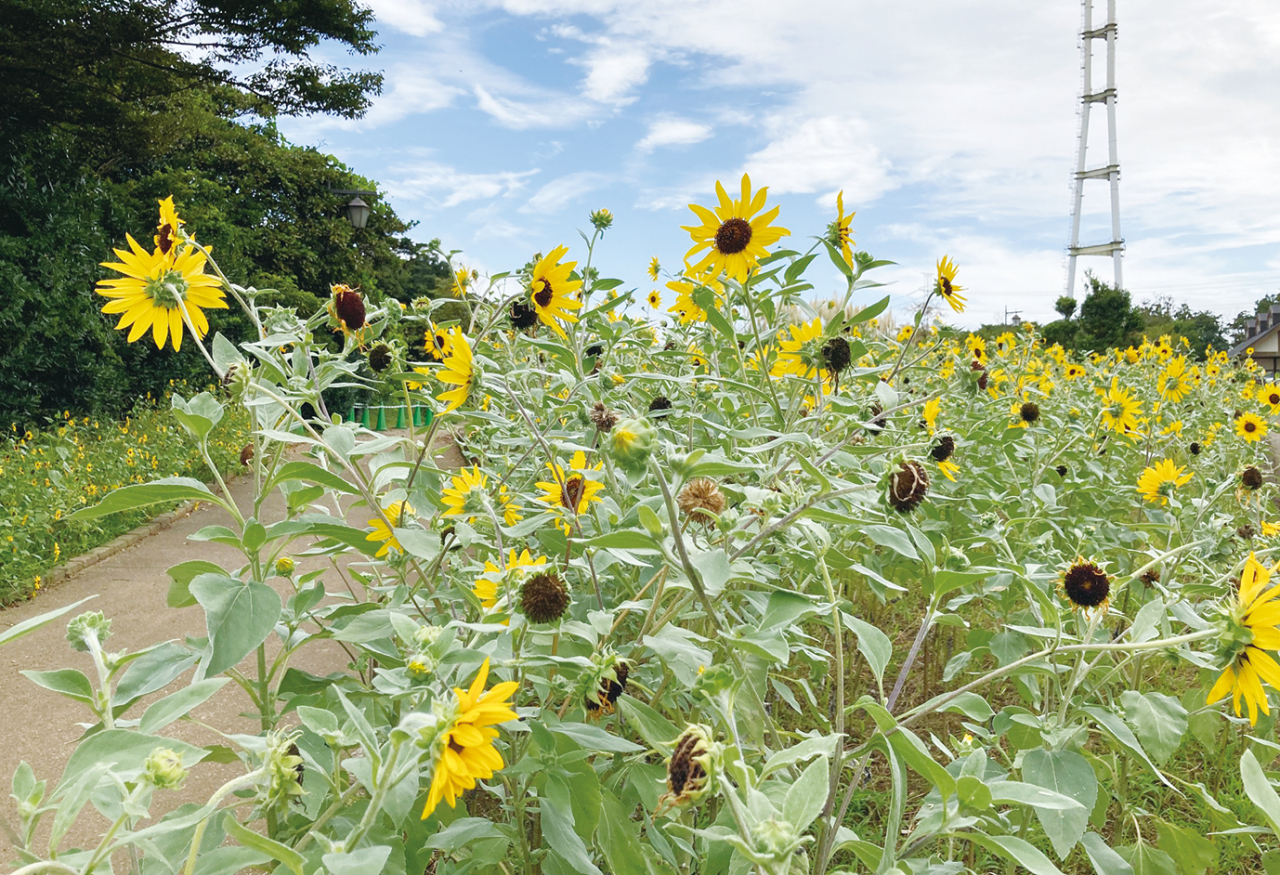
[(1201, 328), (1065, 306), (1107, 318)]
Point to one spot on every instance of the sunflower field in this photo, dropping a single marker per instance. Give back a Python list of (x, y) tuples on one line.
[(729, 581)]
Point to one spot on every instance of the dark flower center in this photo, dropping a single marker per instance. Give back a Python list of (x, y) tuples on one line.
[(1251, 477), (543, 598), (836, 354), (573, 488), (945, 285), (523, 316), (350, 309), (944, 448), (166, 238), (733, 236), (543, 296), (1029, 412), (1250, 426), (1086, 585)]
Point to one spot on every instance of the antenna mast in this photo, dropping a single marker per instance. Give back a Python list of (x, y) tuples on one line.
[(1111, 170)]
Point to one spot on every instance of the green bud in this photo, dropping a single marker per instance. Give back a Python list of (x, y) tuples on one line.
[(90, 623), (602, 219), (284, 566), (775, 838), (163, 769), (631, 442)]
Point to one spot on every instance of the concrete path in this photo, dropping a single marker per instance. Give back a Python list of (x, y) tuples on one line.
[(40, 727)]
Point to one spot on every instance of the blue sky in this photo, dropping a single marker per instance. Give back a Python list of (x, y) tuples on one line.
[(950, 126)]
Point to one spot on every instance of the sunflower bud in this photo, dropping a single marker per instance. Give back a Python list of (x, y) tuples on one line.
[(285, 768), (631, 443), (602, 219), (163, 769), (701, 501), (908, 486), (284, 566), (544, 598), (236, 379), (775, 838), (89, 624)]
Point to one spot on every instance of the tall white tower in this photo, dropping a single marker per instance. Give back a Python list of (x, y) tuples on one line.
[(1109, 171)]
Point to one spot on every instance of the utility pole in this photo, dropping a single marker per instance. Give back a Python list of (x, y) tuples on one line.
[(1109, 171)]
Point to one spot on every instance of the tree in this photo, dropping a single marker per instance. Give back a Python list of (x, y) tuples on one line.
[(1065, 306), (1107, 318)]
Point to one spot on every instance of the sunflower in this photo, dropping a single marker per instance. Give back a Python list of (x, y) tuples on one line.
[(932, 408), (654, 268), (1157, 483), (801, 356), (466, 747), (735, 241), (458, 371), (486, 587), (437, 342), (462, 280), (684, 307), (1251, 621), (155, 290), (655, 299), (1085, 585), (1120, 409), (396, 513), (839, 235), (1251, 427), (949, 469), (1073, 371), (167, 228), (552, 291), (573, 492), (1174, 383), (946, 284), (467, 494), (1270, 395)]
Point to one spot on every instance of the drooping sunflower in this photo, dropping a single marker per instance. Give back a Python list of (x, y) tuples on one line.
[(155, 290), (1120, 409), (397, 513), (1251, 427), (463, 277), (946, 284), (654, 268), (458, 371), (1157, 482), (1251, 621), (733, 236), (486, 587), (577, 491), (839, 235), (552, 291), (467, 494), (466, 747), (801, 354)]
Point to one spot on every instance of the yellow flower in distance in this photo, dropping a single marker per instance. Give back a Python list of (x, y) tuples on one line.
[(1251, 427), (552, 291), (1119, 409), (466, 747), (466, 496), (839, 234), (458, 371), (396, 513), (577, 492), (734, 240), (946, 284), (1158, 482), (156, 288), (1255, 615), (654, 268), (655, 299)]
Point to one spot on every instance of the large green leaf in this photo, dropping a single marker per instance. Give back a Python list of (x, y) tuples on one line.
[(1195, 853), (806, 797), (1259, 790), (68, 681), (169, 489), (239, 616), (1159, 721), (1069, 774), (558, 831), (286, 855), (177, 705), (309, 472), (122, 751), (1013, 848)]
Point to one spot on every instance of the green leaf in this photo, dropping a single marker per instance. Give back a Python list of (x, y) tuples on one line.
[(806, 797), (1160, 721), (239, 616), (595, 738), (1070, 774), (1260, 791), (895, 539), (67, 681), (657, 731), (286, 855), (181, 576), (308, 472), (837, 258), (625, 539), (1020, 793), (649, 520), (1116, 728), (871, 311), (153, 671), (973, 792), (1146, 860), (462, 832), (1015, 849), (179, 704), (199, 415), (122, 751), (1105, 860), (558, 831), (618, 838), (915, 755), (26, 627), (1195, 853), (873, 644), (784, 608), (816, 745), (361, 861), (169, 489)]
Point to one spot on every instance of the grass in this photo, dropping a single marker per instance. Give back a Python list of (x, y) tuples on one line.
[(72, 462)]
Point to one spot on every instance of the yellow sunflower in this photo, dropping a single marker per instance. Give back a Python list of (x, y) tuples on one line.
[(466, 496), (684, 307), (946, 284), (654, 268), (1120, 409), (397, 513), (1255, 614), (932, 408), (1074, 371), (839, 234), (156, 288), (949, 469), (801, 355), (552, 291), (462, 280), (436, 341), (1174, 383), (655, 299), (1251, 427), (734, 240), (1270, 396), (466, 747), (167, 228), (1157, 482), (577, 491), (458, 371), (486, 587)]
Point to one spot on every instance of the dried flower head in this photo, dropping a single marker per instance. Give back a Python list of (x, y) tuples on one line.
[(380, 357), (908, 486), (690, 769), (1029, 412), (1085, 585), (836, 354), (701, 500), (1195, 448), (523, 316), (608, 692), (1062, 470), (1150, 577), (348, 306), (603, 418), (1251, 478), (659, 405), (544, 597), (944, 449)]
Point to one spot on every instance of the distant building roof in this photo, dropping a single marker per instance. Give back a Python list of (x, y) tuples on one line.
[(1256, 328)]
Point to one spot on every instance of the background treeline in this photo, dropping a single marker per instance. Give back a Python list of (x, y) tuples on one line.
[(106, 107)]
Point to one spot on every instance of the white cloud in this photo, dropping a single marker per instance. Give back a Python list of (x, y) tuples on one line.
[(673, 131), (823, 153), (559, 193), (542, 111), (414, 17), (613, 71), (438, 186)]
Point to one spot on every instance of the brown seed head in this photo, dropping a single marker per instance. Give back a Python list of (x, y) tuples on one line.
[(544, 598), (1251, 478), (1086, 585), (349, 307), (908, 486), (604, 418), (944, 449), (700, 498), (734, 236)]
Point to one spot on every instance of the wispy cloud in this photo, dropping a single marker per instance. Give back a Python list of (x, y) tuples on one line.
[(559, 193), (414, 17), (439, 186), (673, 131)]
